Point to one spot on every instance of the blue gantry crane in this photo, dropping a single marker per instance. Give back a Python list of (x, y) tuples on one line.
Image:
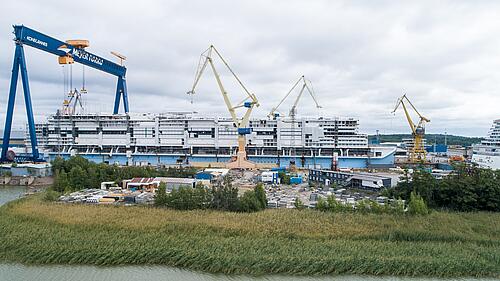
[(68, 53)]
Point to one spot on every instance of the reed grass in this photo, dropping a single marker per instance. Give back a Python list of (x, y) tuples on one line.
[(273, 241)]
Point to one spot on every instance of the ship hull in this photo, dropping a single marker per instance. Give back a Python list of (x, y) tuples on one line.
[(262, 161)]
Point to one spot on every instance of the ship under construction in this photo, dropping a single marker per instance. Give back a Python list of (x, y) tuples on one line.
[(192, 139)]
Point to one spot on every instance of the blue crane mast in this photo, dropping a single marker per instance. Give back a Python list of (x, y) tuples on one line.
[(67, 53)]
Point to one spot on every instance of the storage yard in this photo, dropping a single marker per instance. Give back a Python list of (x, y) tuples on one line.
[(309, 192)]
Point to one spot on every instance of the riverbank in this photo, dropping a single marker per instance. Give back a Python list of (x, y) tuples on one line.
[(273, 241)]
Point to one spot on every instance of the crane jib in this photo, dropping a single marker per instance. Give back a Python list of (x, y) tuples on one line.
[(28, 36)]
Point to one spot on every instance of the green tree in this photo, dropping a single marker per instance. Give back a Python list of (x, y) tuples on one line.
[(202, 197), (284, 177), (161, 195), (92, 180), (188, 198), (417, 205), (260, 194), (61, 182), (57, 164), (225, 196), (249, 202), (77, 178), (424, 184)]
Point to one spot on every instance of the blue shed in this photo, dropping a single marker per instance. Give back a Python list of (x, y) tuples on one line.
[(295, 180), (204, 176)]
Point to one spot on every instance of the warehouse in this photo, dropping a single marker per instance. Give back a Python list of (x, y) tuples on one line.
[(349, 179), (150, 184)]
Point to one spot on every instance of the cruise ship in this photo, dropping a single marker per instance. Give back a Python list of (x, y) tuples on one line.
[(180, 138), (487, 154)]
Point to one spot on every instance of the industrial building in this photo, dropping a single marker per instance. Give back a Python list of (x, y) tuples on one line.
[(271, 177), (150, 184), (211, 175), (27, 169), (348, 179)]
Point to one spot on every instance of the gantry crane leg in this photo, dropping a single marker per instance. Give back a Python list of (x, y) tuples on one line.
[(67, 54), (19, 63)]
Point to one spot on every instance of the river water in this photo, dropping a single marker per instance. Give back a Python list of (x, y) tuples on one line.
[(9, 193), (18, 272)]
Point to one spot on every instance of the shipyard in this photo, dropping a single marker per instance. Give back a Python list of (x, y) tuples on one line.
[(276, 141)]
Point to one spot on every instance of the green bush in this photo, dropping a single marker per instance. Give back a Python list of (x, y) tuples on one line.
[(362, 206), (322, 205), (417, 205), (299, 205), (284, 177), (51, 195), (397, 207), (188, 198), (249, 202)]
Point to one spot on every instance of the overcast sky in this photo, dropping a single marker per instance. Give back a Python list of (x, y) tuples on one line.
[(360, 56)]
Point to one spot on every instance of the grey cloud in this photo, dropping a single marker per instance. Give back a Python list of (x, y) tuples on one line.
[(360, 56)]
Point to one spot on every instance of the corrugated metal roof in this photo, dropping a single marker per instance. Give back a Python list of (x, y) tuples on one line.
[(175, 180)]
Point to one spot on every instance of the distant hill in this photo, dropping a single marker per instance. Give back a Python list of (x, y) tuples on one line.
[(431, 138)]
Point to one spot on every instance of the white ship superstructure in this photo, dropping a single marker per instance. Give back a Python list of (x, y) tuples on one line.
[(182, 137), (487, 154)]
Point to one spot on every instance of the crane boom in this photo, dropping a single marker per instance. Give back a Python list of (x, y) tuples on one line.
[(30, 37), (224, 93), (249, 102), (305, 86), (407, 114), (417, 153)]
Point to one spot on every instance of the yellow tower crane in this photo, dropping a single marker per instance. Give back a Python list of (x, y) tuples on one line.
[(417, 152), (249, 102)]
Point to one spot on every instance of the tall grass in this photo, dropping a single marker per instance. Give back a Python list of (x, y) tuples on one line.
[(272, 241)]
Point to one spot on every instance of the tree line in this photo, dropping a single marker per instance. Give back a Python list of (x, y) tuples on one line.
[(221, 196), (467, 188), (78, 173), (431, 139)]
